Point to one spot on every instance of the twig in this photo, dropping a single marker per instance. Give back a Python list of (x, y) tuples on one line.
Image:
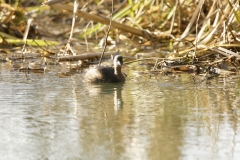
[(103, 20), (105, 44), (25, 37), (195, 49), (84, 56)]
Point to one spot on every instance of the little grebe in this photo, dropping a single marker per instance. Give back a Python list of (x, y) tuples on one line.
[(105, 74)]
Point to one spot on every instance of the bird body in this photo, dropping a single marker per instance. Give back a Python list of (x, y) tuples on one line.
[(106, 74)]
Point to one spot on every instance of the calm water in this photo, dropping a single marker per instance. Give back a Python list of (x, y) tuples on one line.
[(44, 116)]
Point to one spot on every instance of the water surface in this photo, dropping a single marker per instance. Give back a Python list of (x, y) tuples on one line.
[(45, 116)]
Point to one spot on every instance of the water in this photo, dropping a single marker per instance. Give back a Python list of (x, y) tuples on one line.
[(44, 116)]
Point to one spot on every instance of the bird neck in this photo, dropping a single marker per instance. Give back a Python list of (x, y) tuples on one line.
[(117, 70)]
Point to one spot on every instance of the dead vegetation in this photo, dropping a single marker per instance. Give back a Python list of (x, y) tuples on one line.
[(199, 37)]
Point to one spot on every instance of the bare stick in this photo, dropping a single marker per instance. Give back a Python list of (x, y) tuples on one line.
[(103, 20), (25, 37), (105, 43), (195, 49)]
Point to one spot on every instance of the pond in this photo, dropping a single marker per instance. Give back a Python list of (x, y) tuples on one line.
[(46, 116)]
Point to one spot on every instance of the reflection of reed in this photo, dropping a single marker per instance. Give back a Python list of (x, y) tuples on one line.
[(212, 120)]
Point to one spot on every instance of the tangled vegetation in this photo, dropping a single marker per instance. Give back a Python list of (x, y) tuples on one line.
[(178, 35)]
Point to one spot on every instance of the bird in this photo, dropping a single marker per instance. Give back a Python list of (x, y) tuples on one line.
[(106, 74)]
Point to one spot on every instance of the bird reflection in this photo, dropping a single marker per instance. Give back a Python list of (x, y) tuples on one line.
[(114, 89)]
